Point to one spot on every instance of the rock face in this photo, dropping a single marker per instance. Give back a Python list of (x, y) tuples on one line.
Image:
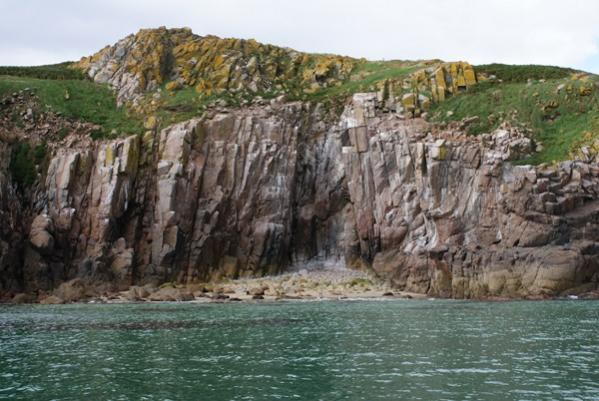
[(250, 191)]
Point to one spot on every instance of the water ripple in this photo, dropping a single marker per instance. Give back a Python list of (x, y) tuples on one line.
[(413, 350)]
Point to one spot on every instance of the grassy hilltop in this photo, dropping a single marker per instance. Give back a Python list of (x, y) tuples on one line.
[(174, 75)]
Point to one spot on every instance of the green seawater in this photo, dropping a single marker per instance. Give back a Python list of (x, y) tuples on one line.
[(346, 350)]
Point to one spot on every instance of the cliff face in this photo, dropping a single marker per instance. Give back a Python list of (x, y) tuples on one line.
[(250, 191)]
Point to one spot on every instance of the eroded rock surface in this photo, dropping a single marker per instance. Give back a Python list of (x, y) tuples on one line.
[(251, 191)]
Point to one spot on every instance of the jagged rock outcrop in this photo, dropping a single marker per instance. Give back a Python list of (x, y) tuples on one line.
[(433, 82), (444, 80), (250, 191), (177, 57)]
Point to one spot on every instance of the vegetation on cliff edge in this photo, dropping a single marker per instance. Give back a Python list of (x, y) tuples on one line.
[(76, 99), (559, 105), (23, 163), (559, 111), (51, 71)]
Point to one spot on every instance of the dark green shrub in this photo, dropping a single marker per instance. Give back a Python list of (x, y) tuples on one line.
[(22, 165), (522, 73), (54, 71)]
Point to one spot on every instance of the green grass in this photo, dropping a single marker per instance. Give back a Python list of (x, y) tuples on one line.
[(558, 120), (178, 105), (78, 100), (54, 71), (186, 103), (66, 91), (522, 73)]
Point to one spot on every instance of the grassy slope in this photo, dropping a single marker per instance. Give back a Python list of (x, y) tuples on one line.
[(71, 95), (525, 95), (183, 104), (52, 71), (557, 119)]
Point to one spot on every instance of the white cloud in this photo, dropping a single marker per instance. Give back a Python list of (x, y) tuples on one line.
[(511, 31)]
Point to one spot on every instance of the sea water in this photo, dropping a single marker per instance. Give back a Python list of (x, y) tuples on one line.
[(330, 350)]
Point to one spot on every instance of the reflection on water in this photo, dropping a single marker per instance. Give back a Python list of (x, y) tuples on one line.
[(383, 350)]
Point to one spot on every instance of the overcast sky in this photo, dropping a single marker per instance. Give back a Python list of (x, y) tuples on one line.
[(557, 32)]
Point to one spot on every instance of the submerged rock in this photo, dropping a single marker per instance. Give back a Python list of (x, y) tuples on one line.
[(136, 293), (51, 300), (22, 298), (73, 290), (171, 294)]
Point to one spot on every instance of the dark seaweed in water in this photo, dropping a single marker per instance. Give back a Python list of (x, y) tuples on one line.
[(163, 324)]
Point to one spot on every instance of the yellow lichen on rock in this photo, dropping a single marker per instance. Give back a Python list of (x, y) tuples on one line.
[(585, 90), (109, 156), (178, 59), (408, 101), (211, 64), (173, 85), (445, 79), (442, 80), (469, 75), (151, 122), (424, 102), (586, 148)]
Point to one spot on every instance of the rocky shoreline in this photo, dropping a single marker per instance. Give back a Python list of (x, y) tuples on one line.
[(320, 283), (314, 282)]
